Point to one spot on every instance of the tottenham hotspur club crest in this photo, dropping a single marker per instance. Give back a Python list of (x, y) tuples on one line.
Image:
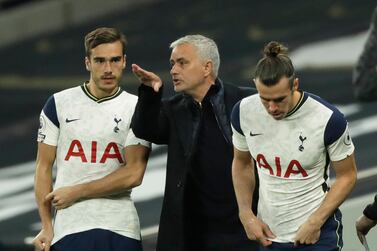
[(302, 139), (116, 128)]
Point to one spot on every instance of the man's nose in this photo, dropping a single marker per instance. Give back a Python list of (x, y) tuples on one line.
[(173, 70), (272, 106), (108, 67)]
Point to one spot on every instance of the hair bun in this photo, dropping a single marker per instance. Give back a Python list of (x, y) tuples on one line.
[(273, 49)]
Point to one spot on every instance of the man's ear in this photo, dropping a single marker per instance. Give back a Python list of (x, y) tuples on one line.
[(295, 84), (125, 61), (87, 64), (208, 67)]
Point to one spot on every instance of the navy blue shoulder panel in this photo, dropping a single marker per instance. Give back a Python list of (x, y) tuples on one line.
[(50, 110), (235, 118), (335, 126)]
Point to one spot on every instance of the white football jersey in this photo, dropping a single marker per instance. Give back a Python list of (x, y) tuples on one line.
[(90, 135), (292, 157)]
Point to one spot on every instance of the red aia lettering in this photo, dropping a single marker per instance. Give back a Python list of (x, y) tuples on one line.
[(292, 164), (80, 152), (114, 155), (94, 152), (76, 150), (262, 162), (294, 167)]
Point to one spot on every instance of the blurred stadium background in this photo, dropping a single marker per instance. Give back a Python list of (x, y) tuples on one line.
[(42, 51)]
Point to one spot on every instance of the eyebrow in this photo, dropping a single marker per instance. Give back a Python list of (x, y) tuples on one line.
[(111, 58), (278, 99), (178, 59)]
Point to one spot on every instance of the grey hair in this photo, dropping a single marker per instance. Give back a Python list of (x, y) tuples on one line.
[(207, 49)]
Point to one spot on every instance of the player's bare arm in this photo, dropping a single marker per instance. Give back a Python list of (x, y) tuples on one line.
[(126, 177), (244, 184), (147, 78), (346, 175), (42, 186)]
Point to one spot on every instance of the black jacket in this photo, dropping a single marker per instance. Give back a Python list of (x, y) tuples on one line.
[(172, 122)]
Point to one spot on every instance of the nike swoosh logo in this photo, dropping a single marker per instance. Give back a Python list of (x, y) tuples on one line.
[(70, 120), (255, 134)]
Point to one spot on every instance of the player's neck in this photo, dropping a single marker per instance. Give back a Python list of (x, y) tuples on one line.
[(100, 93), (296, 98)]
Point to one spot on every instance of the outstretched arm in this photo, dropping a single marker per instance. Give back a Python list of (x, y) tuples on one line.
[(42, 186), (147, 78), (244, 185), (126, 177), (149, 120), (346, 175)]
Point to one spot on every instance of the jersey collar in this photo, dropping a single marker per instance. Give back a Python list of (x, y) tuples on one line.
[(85, 89), (301, 101)]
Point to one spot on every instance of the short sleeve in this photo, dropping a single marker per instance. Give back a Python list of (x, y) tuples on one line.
[(342, 147), (133, 140), (239, 141), (238, 138), (48, 131)]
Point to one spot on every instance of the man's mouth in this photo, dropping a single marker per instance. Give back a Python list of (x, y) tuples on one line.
[(176, 81), (108, 77)]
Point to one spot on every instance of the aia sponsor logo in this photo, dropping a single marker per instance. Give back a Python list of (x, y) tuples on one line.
[(76, 150), (275, 169)]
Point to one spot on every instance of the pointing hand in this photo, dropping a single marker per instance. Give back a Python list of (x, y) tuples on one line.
[(147, 78)]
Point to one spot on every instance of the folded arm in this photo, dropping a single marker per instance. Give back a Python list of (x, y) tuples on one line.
[(126, 177)]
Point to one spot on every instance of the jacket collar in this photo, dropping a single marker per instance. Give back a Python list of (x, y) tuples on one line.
[(216, 96), (218, 102), (186, 114), (212, 91)]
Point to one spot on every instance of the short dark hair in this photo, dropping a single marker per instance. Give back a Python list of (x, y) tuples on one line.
[(274, 65), (103, 35)]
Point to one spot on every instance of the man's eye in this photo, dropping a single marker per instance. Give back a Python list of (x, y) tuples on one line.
[(99, 60), (279, 100)]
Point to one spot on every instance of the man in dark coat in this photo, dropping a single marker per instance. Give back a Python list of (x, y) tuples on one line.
[(199, 209)]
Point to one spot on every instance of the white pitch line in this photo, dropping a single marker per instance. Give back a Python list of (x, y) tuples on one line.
[(148, 231), (15, 184), (16, 205), (363, 126), (15, 170), (356, 201), (349, 109), (370, 172)]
